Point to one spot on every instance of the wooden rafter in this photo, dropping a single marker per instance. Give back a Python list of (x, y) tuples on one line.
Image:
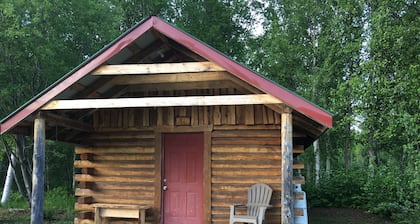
[(162, 102), (159, 68), (66, 122), (170, 78), (180, 86)]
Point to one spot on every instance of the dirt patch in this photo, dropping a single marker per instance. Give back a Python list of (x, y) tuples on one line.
[(343, 215)]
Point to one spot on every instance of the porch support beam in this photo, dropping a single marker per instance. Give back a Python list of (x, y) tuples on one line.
[(162, 102), (287, 213), (67, 122), (159, 68), (37, 199)]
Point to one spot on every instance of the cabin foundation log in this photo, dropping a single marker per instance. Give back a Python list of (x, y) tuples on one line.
[(287, 216)]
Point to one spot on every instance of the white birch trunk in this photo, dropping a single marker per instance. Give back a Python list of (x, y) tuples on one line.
[(317, 162), (9, 181)]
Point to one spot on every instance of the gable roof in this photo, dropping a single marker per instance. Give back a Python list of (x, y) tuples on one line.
[(154, 24)]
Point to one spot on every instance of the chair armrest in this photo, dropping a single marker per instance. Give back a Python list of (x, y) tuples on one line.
[(233, 208)]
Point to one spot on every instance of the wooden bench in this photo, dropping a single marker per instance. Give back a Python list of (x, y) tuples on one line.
[(120, 211)]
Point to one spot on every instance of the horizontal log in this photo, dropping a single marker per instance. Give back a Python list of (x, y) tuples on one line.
[(124, 186), (123, 157), (247, 133), (248, 181), (83, 207), (299, 180), (90, 178), (224, 211), (299, 195), (298, 211), (297, 165), (110, 164), (161, 102), (84, 200), (121, 135), (218, 189), (139, 173), (247, 127), (245, 157), (85, 215), (83, 221), (112, 193), (80, 150), (225, 203), (226, 166), (246, 141), (245, 149), (116, 200), (158, 68), (185, 78), (297, 149), (246, 172)]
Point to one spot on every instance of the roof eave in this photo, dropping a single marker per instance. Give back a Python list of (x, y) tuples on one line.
[(74, 75), (291, 99)]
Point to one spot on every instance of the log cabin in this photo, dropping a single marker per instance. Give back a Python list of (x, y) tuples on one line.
[(160, 119)]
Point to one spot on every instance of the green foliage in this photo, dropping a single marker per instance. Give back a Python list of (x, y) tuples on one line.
[(340, 189), (390, 193), (59, 165), (58, 206), (16, 200)]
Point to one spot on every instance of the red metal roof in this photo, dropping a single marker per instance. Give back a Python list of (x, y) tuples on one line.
[(289, 98)]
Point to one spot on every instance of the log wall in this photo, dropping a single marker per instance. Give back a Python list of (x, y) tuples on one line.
[(119, 163), (119, 168)]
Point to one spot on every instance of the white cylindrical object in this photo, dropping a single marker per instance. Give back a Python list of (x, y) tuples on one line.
[(301, 204)]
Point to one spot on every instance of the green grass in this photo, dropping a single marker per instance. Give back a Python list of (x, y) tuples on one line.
[(58, 208)]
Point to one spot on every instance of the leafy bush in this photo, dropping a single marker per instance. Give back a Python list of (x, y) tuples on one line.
[(390, 193), (341, 189), (58, 204), (387, 191)]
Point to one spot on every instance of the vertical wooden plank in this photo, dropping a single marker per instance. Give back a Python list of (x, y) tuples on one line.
[(258, 112), (194, 116), (130, 118), (171, 116), (264, 114), (249, 115), (207, 177), (287, 216), (270, 115), (146, 117), (217, 117), (37, 200), (240, 114), (158, 176), (159, 116)]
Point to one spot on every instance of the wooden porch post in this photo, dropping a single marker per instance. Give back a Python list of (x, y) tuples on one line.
[(37, 199), (287, 216)]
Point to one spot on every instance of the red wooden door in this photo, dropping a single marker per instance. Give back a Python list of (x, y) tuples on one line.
[(183, 178)]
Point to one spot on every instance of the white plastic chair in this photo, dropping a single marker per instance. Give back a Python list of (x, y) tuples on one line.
[(259, 196)]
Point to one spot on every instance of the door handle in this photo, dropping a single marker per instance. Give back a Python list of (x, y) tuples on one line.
[(165, 188)]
